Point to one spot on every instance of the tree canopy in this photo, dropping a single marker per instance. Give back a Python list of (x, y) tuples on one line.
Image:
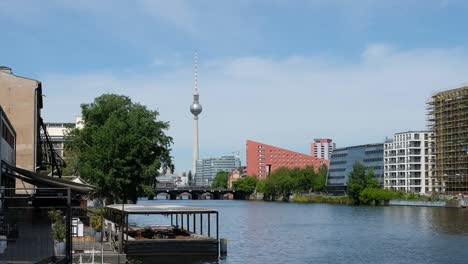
[(360, 179), (285, 181), (246, 184), (220, 181), (121, 147)]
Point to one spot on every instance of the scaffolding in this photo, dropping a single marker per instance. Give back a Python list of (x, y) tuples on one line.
[(448, 119)]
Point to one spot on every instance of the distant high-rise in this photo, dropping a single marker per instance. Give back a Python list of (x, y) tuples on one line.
[(322, 148), (195, 109)]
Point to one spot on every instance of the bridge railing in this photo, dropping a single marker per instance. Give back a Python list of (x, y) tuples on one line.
[(191, 188)]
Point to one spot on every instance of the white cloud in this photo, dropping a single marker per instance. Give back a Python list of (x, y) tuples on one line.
[(284, 102)]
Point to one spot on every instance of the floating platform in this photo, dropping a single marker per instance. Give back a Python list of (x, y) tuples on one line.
[(183, 237)]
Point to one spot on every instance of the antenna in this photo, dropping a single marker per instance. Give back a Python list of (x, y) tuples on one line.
[(196, 72)]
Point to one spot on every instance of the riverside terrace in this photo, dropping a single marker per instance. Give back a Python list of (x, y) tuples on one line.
[(182, 230)]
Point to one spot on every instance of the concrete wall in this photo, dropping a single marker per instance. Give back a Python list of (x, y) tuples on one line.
[(417, 203), (21, 100)]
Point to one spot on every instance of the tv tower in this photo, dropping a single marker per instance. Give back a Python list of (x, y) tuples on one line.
[(195, 109)]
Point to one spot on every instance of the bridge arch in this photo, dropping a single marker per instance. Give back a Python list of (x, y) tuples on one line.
[(228, 196), (162, 196), (185, 196), (207, 196)]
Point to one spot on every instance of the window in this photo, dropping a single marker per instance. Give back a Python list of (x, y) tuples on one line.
[(8, 136)]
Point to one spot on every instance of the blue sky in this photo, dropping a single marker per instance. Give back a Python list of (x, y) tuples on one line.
[(281, 72)]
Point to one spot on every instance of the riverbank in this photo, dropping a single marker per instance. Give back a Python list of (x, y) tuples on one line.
[(321, 199), (453, 203)]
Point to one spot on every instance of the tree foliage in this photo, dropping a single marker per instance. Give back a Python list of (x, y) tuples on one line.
[(220, 181), (319, 182), (121, 147), (246, 184), (286, 181), (369, 195), (360, 179), (190, 178)]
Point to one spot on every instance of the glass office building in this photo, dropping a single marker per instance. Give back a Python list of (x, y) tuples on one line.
[(207, 169), (343, 159)]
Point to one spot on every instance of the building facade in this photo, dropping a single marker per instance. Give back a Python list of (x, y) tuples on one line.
[(208, 168), (322, 148), (234, 175), (343, 159), (263, 159), (448, 117), (21, 99), (56, 133), (7, 149), (407, 162)]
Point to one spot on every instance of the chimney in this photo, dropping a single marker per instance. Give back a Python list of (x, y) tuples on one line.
[(5, 69)]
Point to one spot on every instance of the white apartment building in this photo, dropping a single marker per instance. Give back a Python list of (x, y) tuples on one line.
[(407, 162), (322, 148), (57, 132)]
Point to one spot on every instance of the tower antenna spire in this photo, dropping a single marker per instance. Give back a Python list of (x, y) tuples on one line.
[(196, 72)]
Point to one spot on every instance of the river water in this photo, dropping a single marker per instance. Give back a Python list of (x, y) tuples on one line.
[(274, 232)]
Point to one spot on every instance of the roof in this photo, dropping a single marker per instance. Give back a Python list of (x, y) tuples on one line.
[(360, 146), (38, 180), (38, 87), (159, 209)]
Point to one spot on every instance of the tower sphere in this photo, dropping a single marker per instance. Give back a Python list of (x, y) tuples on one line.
[(196, 109)]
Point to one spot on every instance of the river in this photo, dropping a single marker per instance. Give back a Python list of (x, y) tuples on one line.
[(275, 232)]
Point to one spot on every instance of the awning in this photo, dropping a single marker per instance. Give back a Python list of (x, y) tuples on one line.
[(47, 181)]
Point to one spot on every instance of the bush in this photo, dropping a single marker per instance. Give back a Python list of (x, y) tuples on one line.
[(55, 216), (59, 231), (96, 222), (369, 195), (322, 199), (58, 226)]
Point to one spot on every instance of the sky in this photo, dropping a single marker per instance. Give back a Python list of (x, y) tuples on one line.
[(279, 72)]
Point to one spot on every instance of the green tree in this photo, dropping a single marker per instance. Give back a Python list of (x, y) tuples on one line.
[(320, 179), (220, 181), (303, 178), (260, 186), (360, 179), (190, 178), (282, 182), (246, 184), (121, 147)]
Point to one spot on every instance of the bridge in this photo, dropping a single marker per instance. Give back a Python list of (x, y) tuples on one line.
[(198, 193)]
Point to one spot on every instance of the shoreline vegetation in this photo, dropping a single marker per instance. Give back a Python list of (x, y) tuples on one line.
[(401, 196), (363, 188), (321, 199)]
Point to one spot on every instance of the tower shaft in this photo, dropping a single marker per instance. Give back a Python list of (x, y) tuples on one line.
[(195, 143)]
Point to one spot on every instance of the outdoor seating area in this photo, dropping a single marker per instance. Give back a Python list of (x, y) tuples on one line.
[(184, 236)]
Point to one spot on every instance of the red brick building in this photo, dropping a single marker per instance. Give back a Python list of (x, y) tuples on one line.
[(262, 159)]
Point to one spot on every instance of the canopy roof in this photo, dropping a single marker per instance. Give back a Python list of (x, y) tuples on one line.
[(47, 181)]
